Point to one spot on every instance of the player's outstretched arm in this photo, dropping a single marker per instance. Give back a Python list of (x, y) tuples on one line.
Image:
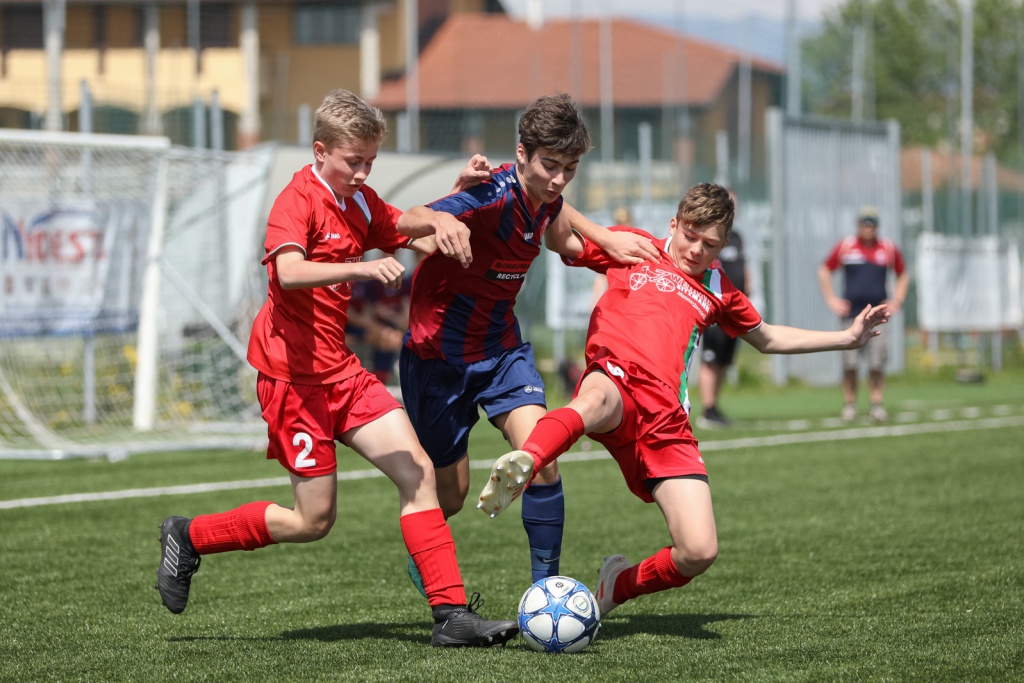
[(782, 339), (295, 272), (627, 248), (451, 234)]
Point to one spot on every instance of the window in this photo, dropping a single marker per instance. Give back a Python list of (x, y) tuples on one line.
[(22, 27), (326, 24)]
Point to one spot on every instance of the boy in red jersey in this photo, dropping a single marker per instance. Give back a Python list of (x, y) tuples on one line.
[(464, 350), (312, 389), (632, 397)]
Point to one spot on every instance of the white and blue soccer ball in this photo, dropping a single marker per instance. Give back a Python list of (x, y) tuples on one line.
[(558, 614)]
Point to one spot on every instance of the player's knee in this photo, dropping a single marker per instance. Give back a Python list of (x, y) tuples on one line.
[(697, 558), (317, 526)]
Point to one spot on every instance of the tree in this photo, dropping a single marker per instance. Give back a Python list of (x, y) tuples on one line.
[(914, 68)]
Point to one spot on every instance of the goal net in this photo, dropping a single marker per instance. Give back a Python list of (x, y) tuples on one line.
[(127, 289)]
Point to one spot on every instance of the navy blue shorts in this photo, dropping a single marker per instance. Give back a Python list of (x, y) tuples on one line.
[(443, 400)]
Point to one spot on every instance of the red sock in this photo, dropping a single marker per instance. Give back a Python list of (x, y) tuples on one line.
[(429, 540), (657, 573), (244, 528), (553, 435)]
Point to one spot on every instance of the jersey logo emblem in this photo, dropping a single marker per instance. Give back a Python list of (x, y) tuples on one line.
[(615, 370)]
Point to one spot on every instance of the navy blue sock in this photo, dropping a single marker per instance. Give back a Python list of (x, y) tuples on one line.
[(543, 519)]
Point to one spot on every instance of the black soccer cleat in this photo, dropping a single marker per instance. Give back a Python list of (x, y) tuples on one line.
[(178, 562), (461, 626)]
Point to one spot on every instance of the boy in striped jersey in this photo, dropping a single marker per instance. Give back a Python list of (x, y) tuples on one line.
[(464, 350)]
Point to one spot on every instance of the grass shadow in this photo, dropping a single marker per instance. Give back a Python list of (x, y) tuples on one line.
[(683, 625)]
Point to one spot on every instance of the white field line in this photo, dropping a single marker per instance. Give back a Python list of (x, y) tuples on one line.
[(725, 445)]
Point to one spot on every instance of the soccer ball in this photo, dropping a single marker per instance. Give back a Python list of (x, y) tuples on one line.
[(558, 614)]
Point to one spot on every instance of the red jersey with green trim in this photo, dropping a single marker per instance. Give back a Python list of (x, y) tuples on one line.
[(299, 334), (654, 314), (464, 315)]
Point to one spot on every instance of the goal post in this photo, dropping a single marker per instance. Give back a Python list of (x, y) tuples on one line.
[(127, 289)]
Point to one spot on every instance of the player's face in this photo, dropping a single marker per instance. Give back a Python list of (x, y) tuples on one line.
[(867, 231), (694, 248), (545, 174), (345, 166)]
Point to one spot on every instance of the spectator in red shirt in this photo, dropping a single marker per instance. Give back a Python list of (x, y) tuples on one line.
[(866, 261)]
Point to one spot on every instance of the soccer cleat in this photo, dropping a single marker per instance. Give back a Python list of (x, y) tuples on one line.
[(606, 576), (877, 413), (509, 476), (414, 575), (178, 562), (849, 413), (461, 626)]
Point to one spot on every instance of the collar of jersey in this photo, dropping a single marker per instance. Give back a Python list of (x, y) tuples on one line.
[(323, 182)]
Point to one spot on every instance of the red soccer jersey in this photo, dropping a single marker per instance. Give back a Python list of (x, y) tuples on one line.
[(299, 334), (864, 269), (654, 314)]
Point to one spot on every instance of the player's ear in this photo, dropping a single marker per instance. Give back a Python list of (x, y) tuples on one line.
[(521, 156)]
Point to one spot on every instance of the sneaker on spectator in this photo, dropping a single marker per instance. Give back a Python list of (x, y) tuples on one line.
[(849, 413), (712, 417), (877, 413)]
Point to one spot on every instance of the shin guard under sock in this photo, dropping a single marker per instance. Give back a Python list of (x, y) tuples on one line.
[(544, 520), (244, 528), (657, 573), (429, 541), (553, 435)]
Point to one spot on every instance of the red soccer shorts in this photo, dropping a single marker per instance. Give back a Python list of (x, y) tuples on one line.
[(304, 420), (654, 439)]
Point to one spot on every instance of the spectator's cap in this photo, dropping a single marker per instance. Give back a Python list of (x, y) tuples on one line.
[(868, 215)]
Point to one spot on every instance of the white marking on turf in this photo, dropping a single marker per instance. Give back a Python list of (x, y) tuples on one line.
[(724, 445)]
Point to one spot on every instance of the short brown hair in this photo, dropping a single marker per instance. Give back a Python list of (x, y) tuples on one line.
[(344, 117), (554, 122), (707, 204)]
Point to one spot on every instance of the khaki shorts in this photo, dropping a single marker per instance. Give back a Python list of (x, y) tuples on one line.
[(876, 351)]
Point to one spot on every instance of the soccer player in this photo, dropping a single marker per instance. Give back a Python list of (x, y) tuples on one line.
[(464, 350), (632, 397), (312, 388), (866, 261)]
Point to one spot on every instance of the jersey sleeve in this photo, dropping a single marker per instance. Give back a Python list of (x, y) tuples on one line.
[(383, 220), (288, 224), (597, 259), (467, 201), (897, 262), (832, 260), (738, 316)]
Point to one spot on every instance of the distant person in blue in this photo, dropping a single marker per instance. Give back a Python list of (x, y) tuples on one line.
[(718, 350), (464, 351), (866, 261)]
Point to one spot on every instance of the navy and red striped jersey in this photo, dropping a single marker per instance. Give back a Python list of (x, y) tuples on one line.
[(466, 314)]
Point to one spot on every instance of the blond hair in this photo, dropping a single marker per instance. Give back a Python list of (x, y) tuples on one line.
[(707, 204), (344, 117)]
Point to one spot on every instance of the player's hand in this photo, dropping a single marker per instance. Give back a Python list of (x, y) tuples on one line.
[(452, 237), (863, 327), (387, 270), (475, 172), (630, 248), (841, 307)]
